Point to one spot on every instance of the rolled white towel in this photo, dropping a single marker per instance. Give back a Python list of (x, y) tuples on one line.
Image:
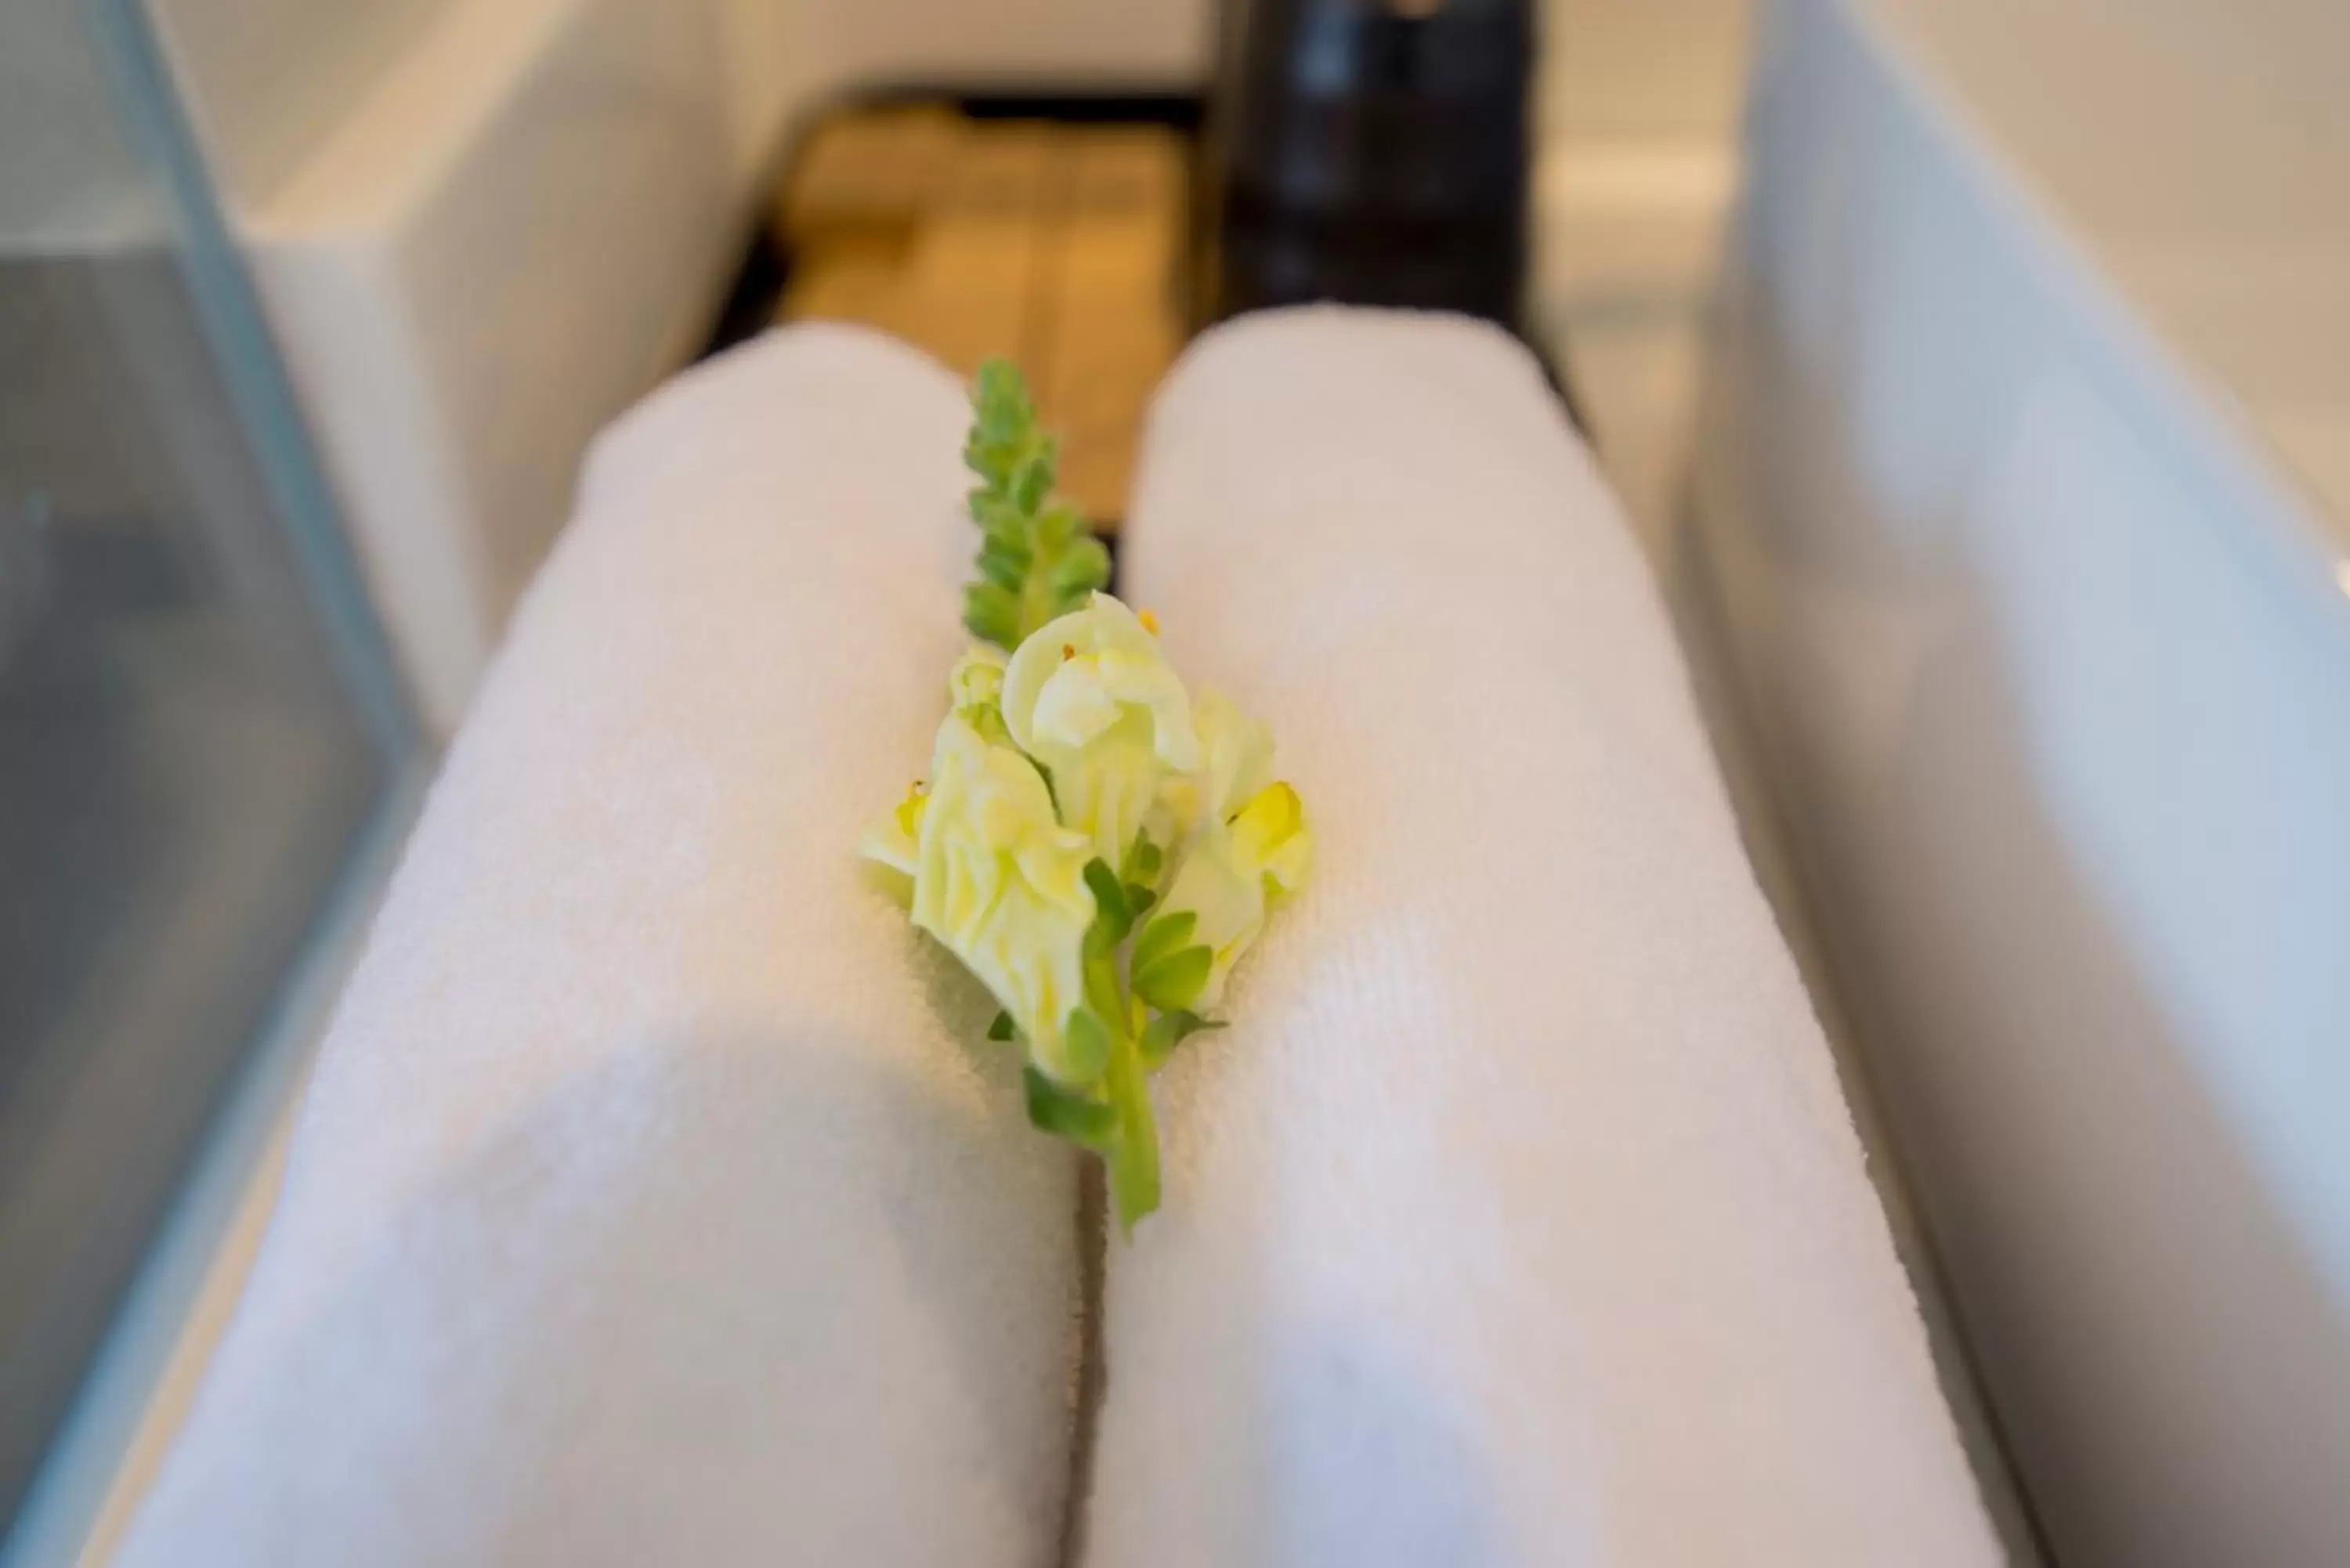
[(642, 1210), (1519, 1217)]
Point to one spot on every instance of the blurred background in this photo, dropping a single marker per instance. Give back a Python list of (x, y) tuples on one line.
[(1976, 372)]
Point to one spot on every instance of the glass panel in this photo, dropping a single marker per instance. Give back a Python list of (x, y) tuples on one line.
[(197, 722)]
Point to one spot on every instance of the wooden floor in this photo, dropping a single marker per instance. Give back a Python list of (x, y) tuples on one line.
[(1058, 245)]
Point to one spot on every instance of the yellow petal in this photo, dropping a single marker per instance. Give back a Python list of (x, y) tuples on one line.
[(1270, 833), (1000, 883), (1102, 646), (1092, 698), (1235, 872)]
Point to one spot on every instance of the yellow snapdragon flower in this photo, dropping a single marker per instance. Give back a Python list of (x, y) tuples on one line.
[(1233, 873), (977, 678), (892, 842), (999, 881), (1236, 761), (1091, 697), (1095, 844)]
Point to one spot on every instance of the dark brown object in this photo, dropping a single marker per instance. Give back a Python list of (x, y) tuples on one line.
[(1370, 152)]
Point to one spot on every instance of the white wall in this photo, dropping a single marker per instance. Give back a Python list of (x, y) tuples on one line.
[(2052, 671), (269, 78), (1642, 70)]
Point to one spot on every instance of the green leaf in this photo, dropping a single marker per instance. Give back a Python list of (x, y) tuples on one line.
[(1113, 917), (1004, 442), (991, 612), (1083, 565), (1057, 526), (1168, 1031), (1165, 935), (1173, 982), (1033, 480), (1089, 1044), (1004, 563), (1001, 1028), (1142, 862), (1108, 892), (998, 518), (1066, 1114)]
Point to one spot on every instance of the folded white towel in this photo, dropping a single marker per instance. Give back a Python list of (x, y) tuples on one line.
[(1519, 1218), (642, 1210)]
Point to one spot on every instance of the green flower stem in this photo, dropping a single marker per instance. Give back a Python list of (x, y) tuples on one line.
[(1037, 559), (1132, 1154)]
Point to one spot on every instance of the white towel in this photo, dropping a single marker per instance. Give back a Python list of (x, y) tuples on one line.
[(643, 1209), (1518, 1219)]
